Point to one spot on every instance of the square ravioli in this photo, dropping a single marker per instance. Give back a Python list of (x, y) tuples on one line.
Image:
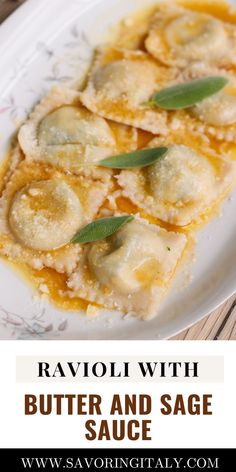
[(180, 187), (180, 36), (41, 210), (130, 271), (62, 133), (214, 116), (119, 85)]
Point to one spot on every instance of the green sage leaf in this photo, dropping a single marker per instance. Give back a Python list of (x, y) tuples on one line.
[(188, 94), (142, 158), (100, 229)]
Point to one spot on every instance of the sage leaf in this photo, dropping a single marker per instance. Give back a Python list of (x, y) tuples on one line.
[(100, 229), (142, 158), (188, 94)]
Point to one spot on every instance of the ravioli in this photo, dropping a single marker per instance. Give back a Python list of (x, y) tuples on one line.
[(130, 271), (41, 210), (179, 36), (218, 112), (214, 117), (180, 186), (64, 134), (120, 84)]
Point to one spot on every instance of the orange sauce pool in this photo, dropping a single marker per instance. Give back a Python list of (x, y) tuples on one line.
[(217, 8), (130, 37), (56, 283), (4, 167)]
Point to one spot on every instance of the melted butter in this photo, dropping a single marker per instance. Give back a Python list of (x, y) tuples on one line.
[(112, 55), (40, 203), (131, 32), (56, 284), (218, 8), (144, 137), (125, 205), (4, 168)]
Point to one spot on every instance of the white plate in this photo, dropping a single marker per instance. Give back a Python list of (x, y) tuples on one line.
[(41, 44)]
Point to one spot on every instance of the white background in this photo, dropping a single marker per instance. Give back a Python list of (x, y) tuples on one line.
[(18, 430)]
